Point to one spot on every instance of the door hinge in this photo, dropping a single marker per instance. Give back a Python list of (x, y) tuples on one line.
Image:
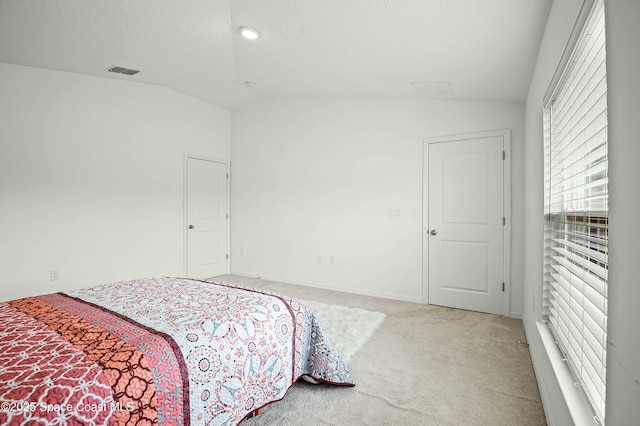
[(504, 155), (227, 216), (502, 286), (504, 221), (227, 176), (227, 256)]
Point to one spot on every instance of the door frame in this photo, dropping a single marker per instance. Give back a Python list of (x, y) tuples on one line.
[(506, 207), (185, 204)]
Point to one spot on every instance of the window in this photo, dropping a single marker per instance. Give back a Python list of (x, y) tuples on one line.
[(576, 207)]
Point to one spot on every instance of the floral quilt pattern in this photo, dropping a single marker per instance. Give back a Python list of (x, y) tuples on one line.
[(205, 352)]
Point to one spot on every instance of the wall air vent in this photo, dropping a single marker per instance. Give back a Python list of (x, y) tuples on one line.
[(122, 70)]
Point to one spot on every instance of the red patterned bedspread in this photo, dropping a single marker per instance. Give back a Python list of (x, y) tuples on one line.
[(156, 351)]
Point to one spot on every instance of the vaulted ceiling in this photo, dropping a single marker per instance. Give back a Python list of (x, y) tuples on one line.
[(483, 49)]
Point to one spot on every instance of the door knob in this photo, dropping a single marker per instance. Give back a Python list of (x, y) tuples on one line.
[(433, 232), (191, 226)]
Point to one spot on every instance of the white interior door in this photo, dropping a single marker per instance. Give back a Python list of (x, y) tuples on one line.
[(465, 230), (206, 218)]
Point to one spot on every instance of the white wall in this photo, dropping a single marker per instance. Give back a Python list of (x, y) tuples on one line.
[(560, 22), (623, 350), (623, 61), (91, 177), (317, 176)]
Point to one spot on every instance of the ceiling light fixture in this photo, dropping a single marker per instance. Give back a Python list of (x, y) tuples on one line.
[(249, 33)]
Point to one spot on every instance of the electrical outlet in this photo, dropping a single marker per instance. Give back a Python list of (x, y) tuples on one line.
[(332, 260), (319, 259), (55, 274), (241, 251)]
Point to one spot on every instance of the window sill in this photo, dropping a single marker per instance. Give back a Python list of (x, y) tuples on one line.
[(574, 398)]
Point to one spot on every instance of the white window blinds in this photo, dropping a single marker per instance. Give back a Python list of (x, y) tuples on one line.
[(576, 210)]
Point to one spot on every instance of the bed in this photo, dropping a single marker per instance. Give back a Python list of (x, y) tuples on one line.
[(158, 350)]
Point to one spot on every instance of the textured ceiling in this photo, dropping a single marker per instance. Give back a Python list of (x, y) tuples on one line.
[(486, 49)]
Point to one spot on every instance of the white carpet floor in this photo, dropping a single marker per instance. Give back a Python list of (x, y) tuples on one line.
[(424, 365)]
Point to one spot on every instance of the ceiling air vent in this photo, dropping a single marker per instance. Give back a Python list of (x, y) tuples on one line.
[(122, 70), (433, 89)]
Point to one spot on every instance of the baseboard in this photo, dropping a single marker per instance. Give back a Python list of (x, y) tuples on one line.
[(326, 287), (245, 274)]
